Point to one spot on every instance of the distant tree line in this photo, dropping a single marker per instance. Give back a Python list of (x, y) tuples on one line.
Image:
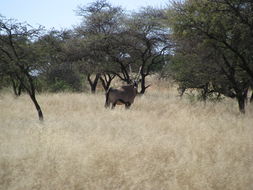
[(108, 43), (201, 44)]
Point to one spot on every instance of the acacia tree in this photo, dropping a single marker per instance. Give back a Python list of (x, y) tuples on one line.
[(147, 41), (19, 56), (101, 22), (115, 42), (209, 25), (60, 49)]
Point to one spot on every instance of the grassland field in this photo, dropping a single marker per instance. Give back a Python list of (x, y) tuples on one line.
[(161, 143)]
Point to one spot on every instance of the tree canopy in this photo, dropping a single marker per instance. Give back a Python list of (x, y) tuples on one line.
[(219, 33)]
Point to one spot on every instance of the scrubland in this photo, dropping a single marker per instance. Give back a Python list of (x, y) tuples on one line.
[(162, 142)]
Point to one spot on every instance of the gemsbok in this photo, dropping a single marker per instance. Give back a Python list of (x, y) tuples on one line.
[(123, 95)]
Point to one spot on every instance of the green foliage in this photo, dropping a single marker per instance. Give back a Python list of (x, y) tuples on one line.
[(60, 86), (189, 71), (217, 35), (4, 82), (64, 79)]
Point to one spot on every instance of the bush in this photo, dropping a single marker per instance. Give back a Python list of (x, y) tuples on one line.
[(64, 79), (60, 86)]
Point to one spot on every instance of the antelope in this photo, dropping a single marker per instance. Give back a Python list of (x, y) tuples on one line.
[(122, 95)]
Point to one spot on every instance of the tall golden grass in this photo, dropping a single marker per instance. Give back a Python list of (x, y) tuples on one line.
[(162, 142)]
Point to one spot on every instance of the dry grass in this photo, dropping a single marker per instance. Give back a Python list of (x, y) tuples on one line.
[(161, 143)]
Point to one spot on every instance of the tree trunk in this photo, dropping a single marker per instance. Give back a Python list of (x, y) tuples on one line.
[(241, 103), (143, 89), (143, 84), (93, 84), (251, 98), (37, 106), (16, 88), (204, 92), (19, 89), (181, 91), (106, 81), (30, 89)]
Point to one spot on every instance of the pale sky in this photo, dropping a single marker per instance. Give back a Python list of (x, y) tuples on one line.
[(60, 13)]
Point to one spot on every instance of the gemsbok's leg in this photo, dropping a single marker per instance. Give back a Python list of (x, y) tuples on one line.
[(107, 104), (127, 105), (114, 104)]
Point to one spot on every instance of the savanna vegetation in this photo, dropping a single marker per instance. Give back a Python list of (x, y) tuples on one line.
[(162, 142), (200, 44), (189, 128)]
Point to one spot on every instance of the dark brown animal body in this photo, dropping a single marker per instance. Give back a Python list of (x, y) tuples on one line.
[(123, 95)]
